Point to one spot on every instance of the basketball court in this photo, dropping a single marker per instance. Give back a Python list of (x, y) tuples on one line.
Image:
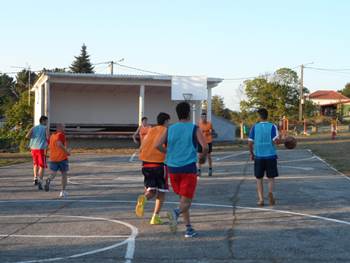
[(310, 223)]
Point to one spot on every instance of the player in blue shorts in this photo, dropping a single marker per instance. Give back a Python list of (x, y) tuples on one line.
[(262, 140)]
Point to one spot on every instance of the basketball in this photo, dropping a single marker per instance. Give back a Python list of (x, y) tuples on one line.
[(290, 142)]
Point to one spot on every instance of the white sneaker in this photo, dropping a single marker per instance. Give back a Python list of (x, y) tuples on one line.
[(63, 194)]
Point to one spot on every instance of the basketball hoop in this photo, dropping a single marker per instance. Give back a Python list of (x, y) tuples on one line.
[(187, 96)]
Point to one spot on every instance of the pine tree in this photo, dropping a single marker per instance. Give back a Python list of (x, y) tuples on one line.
[(82, 63)]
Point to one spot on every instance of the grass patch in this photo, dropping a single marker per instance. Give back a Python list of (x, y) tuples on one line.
[(14, 158)]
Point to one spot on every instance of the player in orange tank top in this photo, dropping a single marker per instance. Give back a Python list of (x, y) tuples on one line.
[(139, 135), (207, 129), (153, 170)]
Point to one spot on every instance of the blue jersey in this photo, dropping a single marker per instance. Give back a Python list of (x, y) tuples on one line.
[(38, 140), (263, 134), (181, 154)]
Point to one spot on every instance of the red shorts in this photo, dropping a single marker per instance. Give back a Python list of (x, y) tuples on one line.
[(39, 158), (184, 184)]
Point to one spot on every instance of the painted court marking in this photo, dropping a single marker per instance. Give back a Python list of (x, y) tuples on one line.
[(129, 241)]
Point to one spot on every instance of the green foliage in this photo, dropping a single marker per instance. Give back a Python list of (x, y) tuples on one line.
[(346, 90), (22, 81), (19, 119), (218, 105), (279, 94), (82, 64), (7, 95)]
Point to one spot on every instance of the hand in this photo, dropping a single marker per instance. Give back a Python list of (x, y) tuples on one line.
[(202, 158), (252, 157)]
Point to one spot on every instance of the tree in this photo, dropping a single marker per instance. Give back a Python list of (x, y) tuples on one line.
[(22, 81), (346, 90), (82, 62), (279, 94), (19, 119), (7, 95), (218, 105)]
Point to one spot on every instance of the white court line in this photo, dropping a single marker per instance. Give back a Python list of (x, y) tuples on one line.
[(63, 236), (298, 168), (330, 166), (231, 155), (194, 204), (130, 241)]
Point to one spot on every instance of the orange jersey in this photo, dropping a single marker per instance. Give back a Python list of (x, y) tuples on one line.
[(207, 129), (57, 154), (148, 151), (143, 132)]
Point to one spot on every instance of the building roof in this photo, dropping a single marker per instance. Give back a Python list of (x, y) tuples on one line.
[(62, 77), (328, 95)]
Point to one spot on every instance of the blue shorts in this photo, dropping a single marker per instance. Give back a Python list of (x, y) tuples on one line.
[(268, 166), (59, 166)]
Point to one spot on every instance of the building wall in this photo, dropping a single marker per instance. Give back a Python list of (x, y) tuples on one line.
[(117, 105), (94, 105)]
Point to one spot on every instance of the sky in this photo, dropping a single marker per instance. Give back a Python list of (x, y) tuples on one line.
[(228, 39)]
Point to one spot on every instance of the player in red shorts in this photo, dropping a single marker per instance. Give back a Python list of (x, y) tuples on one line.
[(182, 139), (39, 136)]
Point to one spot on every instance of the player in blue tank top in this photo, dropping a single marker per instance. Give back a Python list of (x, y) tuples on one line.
[(181, 158), (262, 140), (39, 136)]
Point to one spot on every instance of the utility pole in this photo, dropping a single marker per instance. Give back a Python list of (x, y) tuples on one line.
[(28, 86), (301, 99)]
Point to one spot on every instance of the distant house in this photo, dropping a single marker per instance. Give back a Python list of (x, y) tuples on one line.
[(329, 102)]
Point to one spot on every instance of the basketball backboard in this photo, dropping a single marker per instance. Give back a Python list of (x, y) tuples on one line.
[(189, 88)]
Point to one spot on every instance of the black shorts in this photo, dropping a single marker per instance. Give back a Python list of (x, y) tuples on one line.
[(156, 178), (210, 147), (265, 165)]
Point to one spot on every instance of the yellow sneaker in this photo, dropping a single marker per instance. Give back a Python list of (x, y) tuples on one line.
[(156, 220), (139, 209)]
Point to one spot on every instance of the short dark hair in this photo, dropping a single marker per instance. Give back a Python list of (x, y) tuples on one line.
[(42, 119), (183, 110), (144, 118), (162, 118), (263, 113), (204, 113)]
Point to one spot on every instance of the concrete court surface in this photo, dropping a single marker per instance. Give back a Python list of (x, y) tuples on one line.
[(96, 223)]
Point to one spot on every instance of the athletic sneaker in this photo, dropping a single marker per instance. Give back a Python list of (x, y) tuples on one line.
[(140, 206), (190, 232), (63, 194), (210, 172), (40, 185), (156, 220), (35, 182), (173, 217), (47, 185)]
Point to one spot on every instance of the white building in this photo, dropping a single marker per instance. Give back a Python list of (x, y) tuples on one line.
[(97, 101)]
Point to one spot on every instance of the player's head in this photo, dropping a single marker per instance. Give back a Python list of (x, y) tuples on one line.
[(144, 121), (163, 119), (263, 114), (183, 110), (43, 120), (204, 116), (60, 127)]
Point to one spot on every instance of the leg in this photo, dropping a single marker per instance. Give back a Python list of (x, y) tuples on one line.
[(271, 185), (159, 203), (150, 194), (210, 161), (35, 171), (185, 204), (260, 190), (64, 180)]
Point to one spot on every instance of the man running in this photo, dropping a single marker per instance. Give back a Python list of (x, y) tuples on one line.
[(139, 135), (206, 128), (181, 157), (262, 139), (154, 170), (39, 136), (58, 159)]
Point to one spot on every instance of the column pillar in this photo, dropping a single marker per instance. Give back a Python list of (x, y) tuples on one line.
[(47, 102), (141, 103), (209, 103)]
